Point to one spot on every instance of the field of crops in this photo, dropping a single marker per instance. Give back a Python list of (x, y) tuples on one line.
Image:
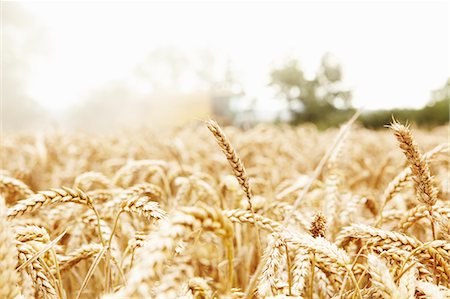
[(189, 212)]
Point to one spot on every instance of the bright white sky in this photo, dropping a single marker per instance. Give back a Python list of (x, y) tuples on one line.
[(393, 53)]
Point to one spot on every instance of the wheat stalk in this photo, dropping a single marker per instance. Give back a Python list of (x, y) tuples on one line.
[(82, 253), (46, 198), (374, 244), (426, 191), (8, 257), (237, 167)]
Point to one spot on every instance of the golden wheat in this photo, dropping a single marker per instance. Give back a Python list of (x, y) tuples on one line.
[(163, 217)]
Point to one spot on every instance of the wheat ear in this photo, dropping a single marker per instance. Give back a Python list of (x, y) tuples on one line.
[(8, 258), (45, 198), (11, 185), (403, 178), (88, 179), (426, 191), (423, 181), (381, 278), (237, 166), (36, 270), (273, 255), (200, 288), (317, 229)]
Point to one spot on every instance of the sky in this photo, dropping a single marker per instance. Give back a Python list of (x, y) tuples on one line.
[(393, 53)]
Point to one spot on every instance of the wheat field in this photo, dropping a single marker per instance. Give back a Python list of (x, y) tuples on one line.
[(207, 212)]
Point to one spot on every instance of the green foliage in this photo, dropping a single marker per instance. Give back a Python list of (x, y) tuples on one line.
[(322, 99), (434, 114)]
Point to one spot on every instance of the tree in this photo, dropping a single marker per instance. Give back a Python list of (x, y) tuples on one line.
[(322, 99), (173, 69)]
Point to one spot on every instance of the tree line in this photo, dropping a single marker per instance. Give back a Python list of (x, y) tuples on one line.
[(325, 101)]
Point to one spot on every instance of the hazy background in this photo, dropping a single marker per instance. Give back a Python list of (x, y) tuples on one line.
[(110, 64)]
